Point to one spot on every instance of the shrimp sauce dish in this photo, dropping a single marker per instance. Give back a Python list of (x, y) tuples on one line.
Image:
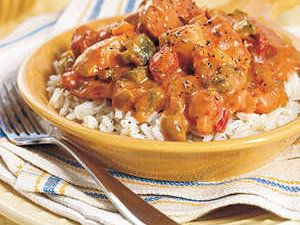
[(176, 72)]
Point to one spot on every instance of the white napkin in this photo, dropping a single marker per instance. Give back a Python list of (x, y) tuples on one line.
[(57, 182)]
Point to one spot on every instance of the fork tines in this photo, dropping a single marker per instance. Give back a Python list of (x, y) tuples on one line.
[(16, 118)]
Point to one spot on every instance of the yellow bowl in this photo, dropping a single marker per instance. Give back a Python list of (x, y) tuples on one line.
[(146, 158)]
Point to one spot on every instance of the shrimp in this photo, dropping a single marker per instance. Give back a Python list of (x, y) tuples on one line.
[(267, 101), (183, 40), (273, 56), (212, 51), (83, 38), (86, 87), (257, 99), (175, 123), (242, 101), (163, 64), (158, 16), (115, 52), (223, 62), (194, 67), (94, 60), (206, 112)]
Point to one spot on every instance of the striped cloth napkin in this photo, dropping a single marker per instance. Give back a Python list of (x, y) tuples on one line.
[(55, 181)]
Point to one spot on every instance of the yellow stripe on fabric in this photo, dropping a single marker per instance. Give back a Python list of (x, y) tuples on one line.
[(273, 189), (38, 181), (129, 181), (20, 167), (195, 187), (147, 184), (175, 202), (154, 184), (279, 180), (63, 188)]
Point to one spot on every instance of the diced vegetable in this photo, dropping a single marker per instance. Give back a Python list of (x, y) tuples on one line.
[(138, 51), (220, 83), (221, 121), (65, 62), (151, 101), (242, 25), (138, 74), (112, 74), (174, 124)]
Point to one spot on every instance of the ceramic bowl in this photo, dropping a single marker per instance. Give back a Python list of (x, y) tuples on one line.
[(181, 161)]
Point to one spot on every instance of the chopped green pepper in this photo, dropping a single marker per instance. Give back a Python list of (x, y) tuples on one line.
[(65, 61), (138, 51), (220, 82), (138, 74), (242, 25)]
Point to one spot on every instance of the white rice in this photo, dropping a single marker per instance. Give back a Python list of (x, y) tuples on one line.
[(101, 116)]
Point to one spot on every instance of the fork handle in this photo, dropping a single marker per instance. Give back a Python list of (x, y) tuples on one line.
[(130, 205)]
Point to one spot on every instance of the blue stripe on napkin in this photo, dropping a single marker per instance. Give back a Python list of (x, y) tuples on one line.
[(37, 30), (130, 6), (275, 184), (288, 188), (96, 10), (2, 135), (96, 195), (50, 185), (152, 198)]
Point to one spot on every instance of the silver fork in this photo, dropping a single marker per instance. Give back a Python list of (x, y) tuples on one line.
[(22, 128)]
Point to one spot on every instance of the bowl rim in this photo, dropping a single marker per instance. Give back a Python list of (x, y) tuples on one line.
[(74, 128)]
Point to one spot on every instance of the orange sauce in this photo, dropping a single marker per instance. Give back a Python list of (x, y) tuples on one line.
[(196, 66)]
